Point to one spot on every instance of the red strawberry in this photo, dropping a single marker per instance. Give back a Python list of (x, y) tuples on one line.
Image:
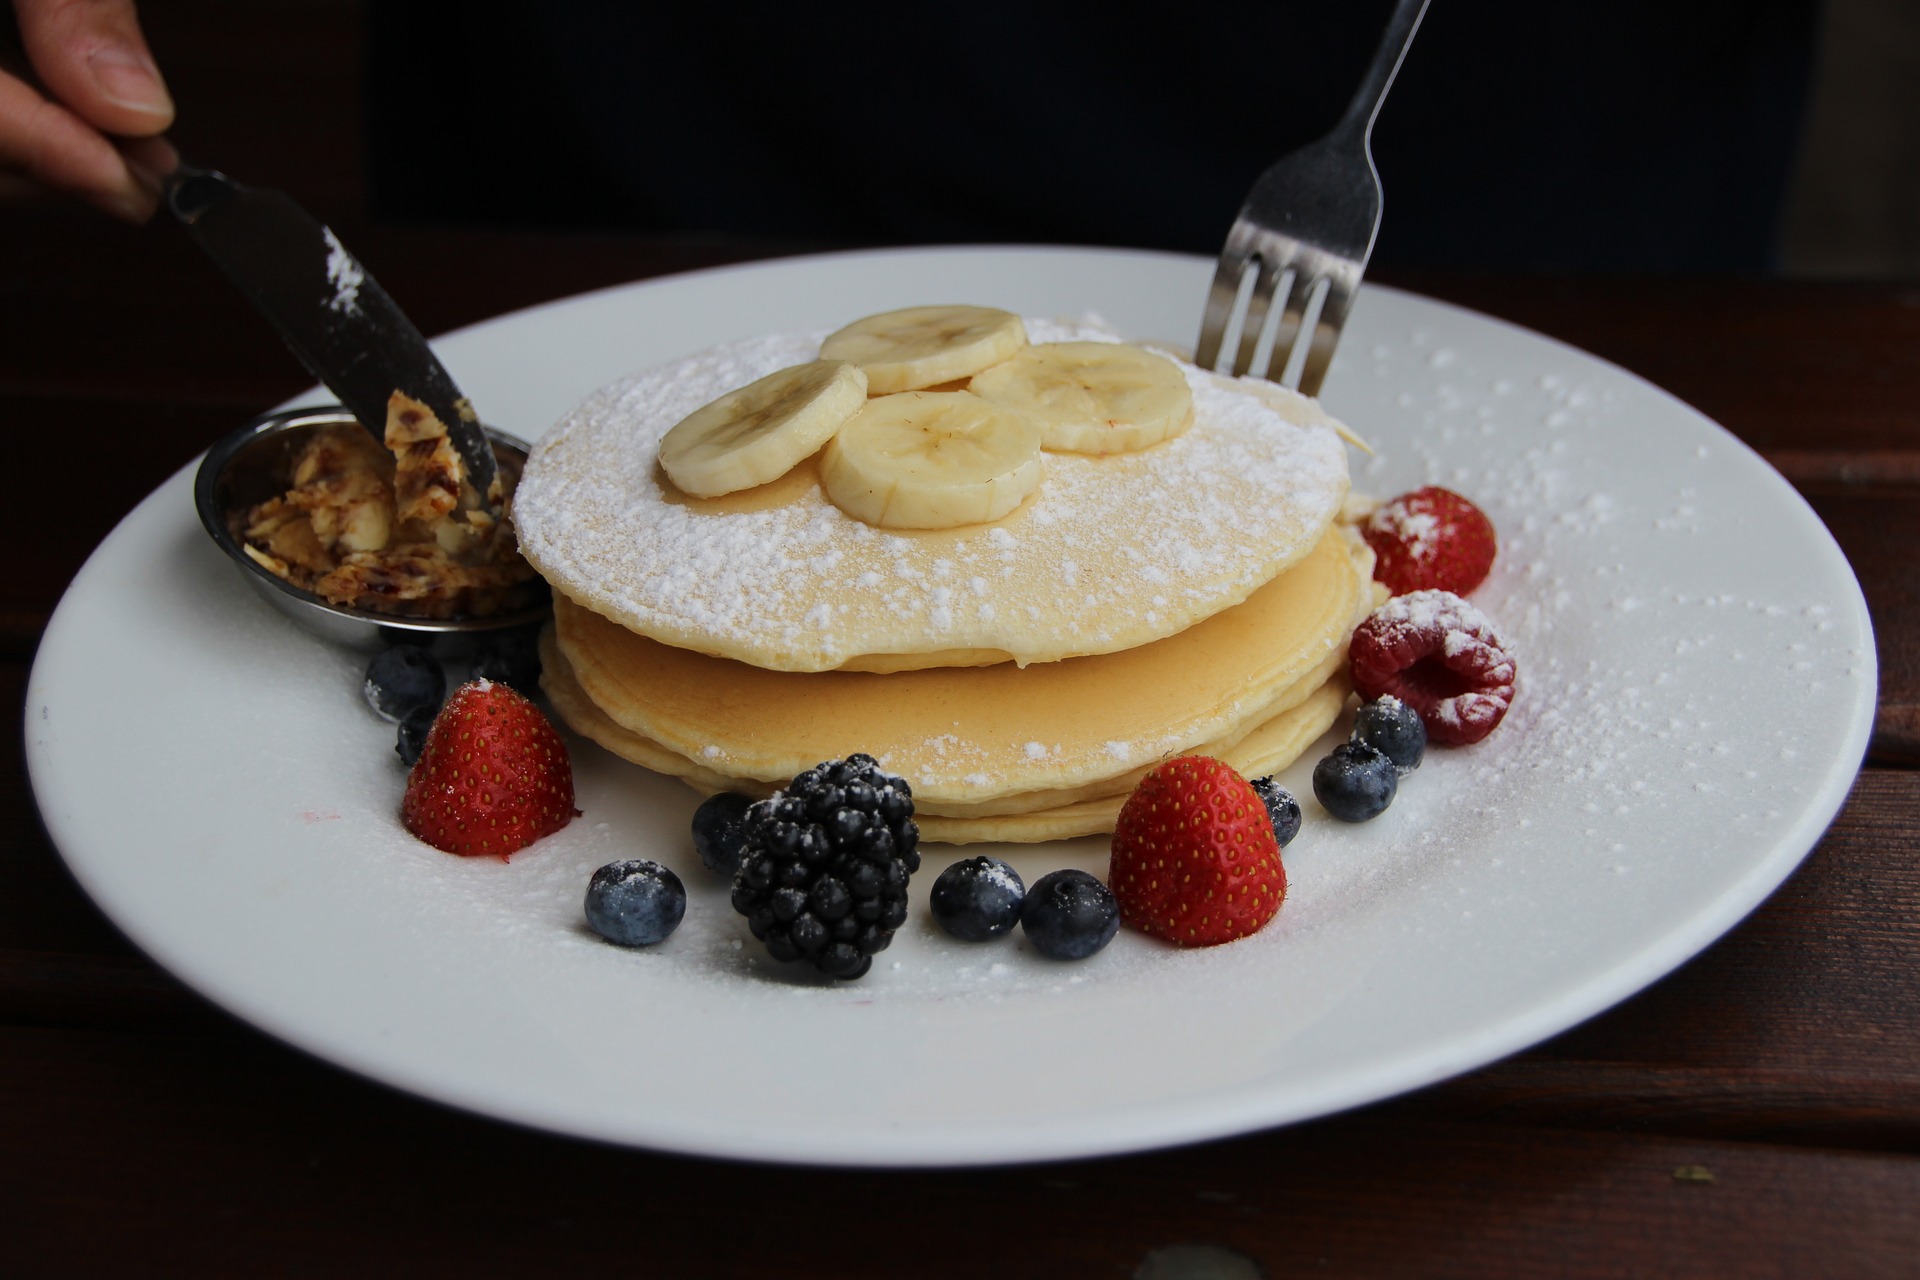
[(1440, 656), (493, 776), (1430, 539), (1194, 858)]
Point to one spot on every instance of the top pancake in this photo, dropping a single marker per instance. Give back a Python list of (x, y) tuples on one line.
[(1109, 553)]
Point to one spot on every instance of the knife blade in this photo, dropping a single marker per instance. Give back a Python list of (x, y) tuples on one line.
[(327, 307)]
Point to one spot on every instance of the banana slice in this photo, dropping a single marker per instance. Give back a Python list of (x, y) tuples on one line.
[(931, 460), (924, 346), (1092, 397), (762, 430)]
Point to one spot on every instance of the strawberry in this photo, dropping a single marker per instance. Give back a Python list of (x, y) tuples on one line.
[(1440, 656), (1431, 538), (493, 776), (1194, 857)]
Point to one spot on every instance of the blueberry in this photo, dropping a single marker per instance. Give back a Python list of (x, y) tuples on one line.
[(978, 898), (719, 831), (635, 903), (1394, 729), (511, 658), (413, 734), (1281, 807), (1069, 915), (1356, 782), (403, 679)]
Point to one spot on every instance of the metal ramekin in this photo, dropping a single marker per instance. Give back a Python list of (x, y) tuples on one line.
[(254, 464)]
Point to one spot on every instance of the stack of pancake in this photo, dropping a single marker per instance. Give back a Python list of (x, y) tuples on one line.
[(1196, 595)]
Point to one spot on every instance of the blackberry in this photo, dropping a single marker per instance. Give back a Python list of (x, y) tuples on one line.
[(1282, 808), (1394, 729), (1356, 782), (825, 864)]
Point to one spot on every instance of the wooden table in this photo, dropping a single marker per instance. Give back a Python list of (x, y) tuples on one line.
[(1756, 1113)]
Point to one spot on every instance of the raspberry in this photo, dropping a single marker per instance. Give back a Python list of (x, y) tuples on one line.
[(1440, 656), (1430, 539)]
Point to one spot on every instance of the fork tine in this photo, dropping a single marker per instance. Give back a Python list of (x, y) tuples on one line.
[(1221, 299), (1257, 307), (1291, 318), (1326, 333)]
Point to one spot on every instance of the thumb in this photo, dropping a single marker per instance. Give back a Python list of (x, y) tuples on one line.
[(93, 59)]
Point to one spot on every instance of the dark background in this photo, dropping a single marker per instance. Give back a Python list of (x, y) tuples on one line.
[(1632, 135)]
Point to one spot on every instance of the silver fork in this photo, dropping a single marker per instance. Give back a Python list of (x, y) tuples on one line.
[(1313, 217)]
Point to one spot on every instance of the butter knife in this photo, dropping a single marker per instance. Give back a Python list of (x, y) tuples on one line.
[(327, 307)]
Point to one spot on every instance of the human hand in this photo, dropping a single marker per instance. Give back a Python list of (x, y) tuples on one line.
[(92, 129)]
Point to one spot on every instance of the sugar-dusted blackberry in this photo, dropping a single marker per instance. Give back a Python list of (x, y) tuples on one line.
[(825, 863), (1282, 808)]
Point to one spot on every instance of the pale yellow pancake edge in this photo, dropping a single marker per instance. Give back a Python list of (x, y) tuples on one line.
[(1266, 749), (715, 712)]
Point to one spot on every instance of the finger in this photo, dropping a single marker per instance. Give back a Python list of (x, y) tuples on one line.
[(57, 149), (150, 159), (92, 59)]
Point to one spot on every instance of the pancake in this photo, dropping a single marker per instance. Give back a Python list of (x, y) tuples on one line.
[(1271, 748), (1110, 553), (1267, 748), (970, 735), (584, 717)]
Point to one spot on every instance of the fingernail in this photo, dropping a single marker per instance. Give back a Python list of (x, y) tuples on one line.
[(129, 80)]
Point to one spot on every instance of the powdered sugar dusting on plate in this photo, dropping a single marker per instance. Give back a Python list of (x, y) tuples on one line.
[(1615, 598)]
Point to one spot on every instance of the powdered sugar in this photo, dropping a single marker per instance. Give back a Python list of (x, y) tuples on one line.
[(1417, 530), (1627, 582), (1442, 611), (1201, 520), (1647, 649), (344, 274)]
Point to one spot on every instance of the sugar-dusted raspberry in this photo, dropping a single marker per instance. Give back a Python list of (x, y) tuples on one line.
[(1430, 539), (1440, 656)]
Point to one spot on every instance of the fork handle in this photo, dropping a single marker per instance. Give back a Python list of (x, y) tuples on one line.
[(1379, 78)]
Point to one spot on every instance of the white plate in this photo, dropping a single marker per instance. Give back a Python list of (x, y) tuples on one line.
[(1697, 686)]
